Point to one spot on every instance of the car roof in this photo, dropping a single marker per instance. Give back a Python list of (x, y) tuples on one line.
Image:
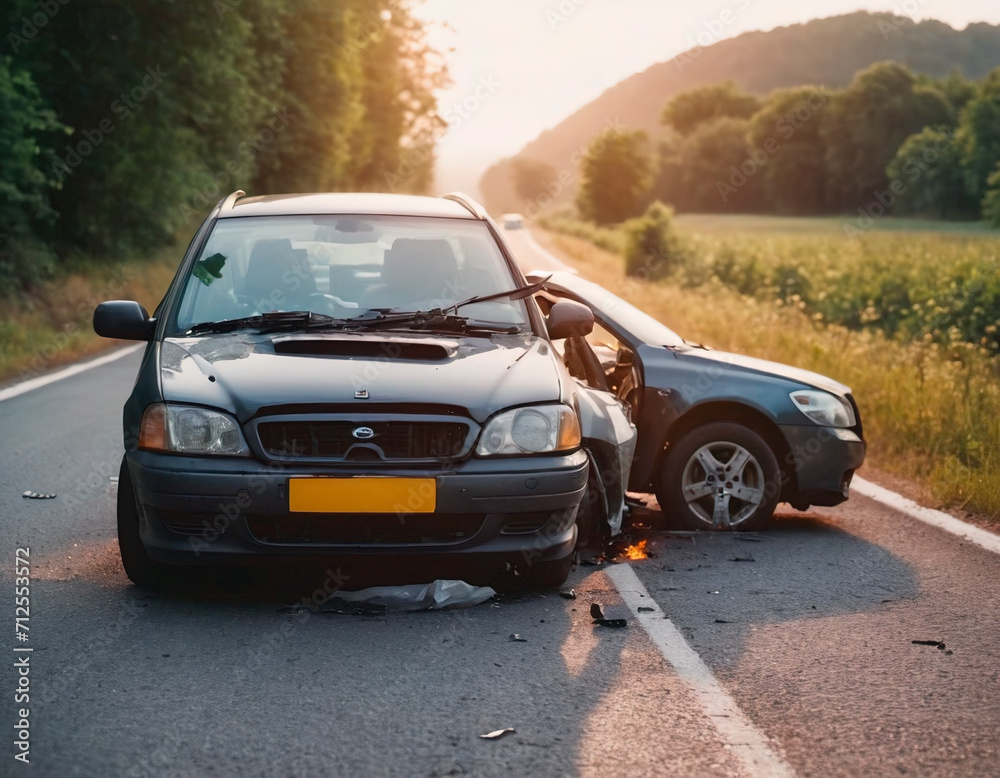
[(365, 203)]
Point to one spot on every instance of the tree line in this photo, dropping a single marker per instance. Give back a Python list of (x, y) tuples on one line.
[(889, 141), (123, 121)]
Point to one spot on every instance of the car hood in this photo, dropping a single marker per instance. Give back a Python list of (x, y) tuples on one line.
[(245, 373), (766, 367)]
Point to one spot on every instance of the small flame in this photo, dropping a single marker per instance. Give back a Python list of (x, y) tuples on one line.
[(638, 551)]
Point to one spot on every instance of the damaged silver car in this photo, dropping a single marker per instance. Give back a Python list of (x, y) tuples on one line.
[(364, 378)]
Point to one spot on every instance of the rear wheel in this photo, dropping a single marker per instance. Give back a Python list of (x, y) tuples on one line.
[(721, 476), (141, 569)]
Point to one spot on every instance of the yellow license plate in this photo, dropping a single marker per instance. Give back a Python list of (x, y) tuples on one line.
[(362, 495)]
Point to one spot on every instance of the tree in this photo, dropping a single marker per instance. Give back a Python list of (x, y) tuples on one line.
[(978, 135), (864, 126), (25, 184), (532, 179), (698, 106), (653, 249), (991, 202), (787, 131), (927, 174), (615, 176), (722, 174)]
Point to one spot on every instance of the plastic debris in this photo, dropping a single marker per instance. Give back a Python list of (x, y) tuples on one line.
[(438, 595), (515, 638), (29, 495), (567, 594), (608, 619), (498, 733), (938, 644)]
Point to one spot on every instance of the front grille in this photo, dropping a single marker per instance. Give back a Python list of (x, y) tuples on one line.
[(369, 529), (335, 439)]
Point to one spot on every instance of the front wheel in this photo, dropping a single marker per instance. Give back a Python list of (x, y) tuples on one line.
[(721, 476)]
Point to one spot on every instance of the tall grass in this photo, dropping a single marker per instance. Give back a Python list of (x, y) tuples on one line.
[(931, 410), (51, 325)]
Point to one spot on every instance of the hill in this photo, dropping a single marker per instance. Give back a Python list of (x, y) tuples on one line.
[(823, 51)]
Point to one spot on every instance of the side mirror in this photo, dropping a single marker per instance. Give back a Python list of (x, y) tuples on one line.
[(568, 319), (123, 320)]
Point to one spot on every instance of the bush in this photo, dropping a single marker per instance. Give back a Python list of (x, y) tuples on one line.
[(653, 249)]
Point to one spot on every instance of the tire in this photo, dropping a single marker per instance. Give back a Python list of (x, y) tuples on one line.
[(593, 530), (141, 569), (691, 494)]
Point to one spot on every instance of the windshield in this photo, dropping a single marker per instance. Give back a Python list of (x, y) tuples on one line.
[(344, 266)]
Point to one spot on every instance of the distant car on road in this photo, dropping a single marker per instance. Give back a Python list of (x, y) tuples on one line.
[(363, 378), (722, 438), (512, 221)]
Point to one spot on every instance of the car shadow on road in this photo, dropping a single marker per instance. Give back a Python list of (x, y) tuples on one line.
[(718, 586)]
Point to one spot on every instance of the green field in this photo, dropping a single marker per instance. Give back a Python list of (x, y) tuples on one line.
[(908, 319)]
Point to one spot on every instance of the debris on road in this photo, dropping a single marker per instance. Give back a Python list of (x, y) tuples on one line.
[(747, 537), (938, 644), (742, 559), (646, 609), (29, 495), (567, 594), (615, 618), (722, 621), (438, 595), (515, 638), (498, 733)]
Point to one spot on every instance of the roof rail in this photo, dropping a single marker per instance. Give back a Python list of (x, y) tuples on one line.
[(230, 201), (468, 203)]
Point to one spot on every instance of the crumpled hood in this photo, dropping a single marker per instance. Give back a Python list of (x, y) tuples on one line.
[(244, 372), (806, 377)]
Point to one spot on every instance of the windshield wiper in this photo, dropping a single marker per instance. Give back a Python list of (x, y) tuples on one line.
[(434, 320), (514, 294), (444, 319), (269, 322)]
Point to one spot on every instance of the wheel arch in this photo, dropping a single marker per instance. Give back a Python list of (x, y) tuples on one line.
[(737, 413)]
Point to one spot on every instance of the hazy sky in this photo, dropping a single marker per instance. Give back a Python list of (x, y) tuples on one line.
[(521, 66)]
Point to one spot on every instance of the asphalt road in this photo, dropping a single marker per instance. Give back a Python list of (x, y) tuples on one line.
[(808, 629)]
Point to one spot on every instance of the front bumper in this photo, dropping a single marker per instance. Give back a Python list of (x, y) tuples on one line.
[(204, 511), (824, 460)]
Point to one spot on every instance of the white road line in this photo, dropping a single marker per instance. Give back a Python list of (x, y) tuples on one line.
[(736, 730), (557, 263), (973, 534), (59, 375)]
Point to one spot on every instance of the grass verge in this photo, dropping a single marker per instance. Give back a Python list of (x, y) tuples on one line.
[(51, 325), (930, 416)]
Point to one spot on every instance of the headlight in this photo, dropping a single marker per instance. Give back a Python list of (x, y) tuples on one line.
[(183, 429), (824, 408), (534, 430)]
